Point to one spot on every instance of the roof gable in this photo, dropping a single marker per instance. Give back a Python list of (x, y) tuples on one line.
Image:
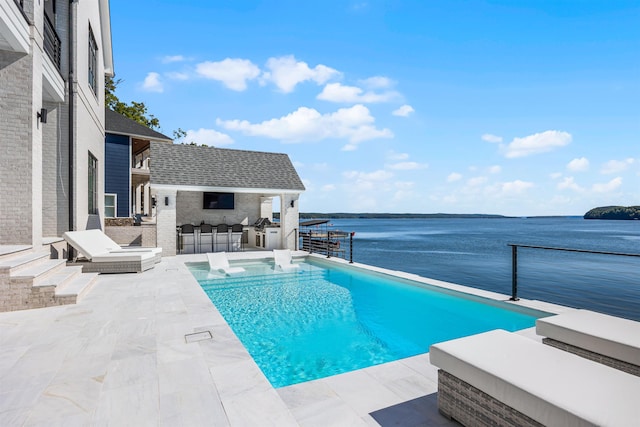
[(197, 166), (119, 124)]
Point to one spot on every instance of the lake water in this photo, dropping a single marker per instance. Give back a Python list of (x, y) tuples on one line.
[(474, 252)]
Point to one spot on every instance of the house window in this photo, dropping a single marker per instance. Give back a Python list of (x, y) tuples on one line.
[(93, 62), (93, 185), (110, 205)]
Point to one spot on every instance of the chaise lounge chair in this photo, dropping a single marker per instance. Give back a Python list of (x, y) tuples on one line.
[(103, 255), (609, 340), (218, 261), (283, 260), (502, 378)]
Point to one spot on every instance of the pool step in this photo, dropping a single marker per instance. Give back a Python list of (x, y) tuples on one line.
[(275, 279)]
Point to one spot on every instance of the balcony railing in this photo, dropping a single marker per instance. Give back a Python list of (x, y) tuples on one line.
[(51, 42)]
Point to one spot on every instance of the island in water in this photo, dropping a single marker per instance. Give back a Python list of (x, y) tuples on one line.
[(614, 212)]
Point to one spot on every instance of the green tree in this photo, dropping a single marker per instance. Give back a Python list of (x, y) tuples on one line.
[(136, 111)]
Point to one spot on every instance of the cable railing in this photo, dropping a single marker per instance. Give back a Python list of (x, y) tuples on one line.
[(316, 237), (514, 260)]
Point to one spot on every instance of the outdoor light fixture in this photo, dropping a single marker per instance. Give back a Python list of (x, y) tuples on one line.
[(292, 203), (166, 201), (42, 115)]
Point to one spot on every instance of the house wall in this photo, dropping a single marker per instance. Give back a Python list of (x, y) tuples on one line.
[(166, 220), (189, 211), (89, 134), (118, 170)]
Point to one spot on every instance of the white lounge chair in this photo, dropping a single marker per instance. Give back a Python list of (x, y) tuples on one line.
[(610, 340), (507, 379), (283, 260), (218, 261), (103, 255), (90, 243)]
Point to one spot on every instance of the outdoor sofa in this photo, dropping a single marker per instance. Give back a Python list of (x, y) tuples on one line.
[(502, 378)]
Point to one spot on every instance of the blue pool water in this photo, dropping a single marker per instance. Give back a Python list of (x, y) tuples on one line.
[(322, 321)]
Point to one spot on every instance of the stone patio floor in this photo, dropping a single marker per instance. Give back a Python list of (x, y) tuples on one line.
[(120, 358)]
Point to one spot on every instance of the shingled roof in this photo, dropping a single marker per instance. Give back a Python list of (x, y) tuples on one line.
[(121, 125), (197, 166)]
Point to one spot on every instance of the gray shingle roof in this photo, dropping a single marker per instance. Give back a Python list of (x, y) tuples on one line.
[(119, 124), (189, 165)]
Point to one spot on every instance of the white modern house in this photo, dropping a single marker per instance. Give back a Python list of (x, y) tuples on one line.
[(54, 56)]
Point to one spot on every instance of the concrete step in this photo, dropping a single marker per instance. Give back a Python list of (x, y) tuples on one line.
[(76, 287), (60, 277), (38, 271), (8, 251), (23, 260)]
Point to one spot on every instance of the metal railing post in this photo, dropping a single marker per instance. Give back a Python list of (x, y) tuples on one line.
[(351, 248), (328, 240), (514, 273)]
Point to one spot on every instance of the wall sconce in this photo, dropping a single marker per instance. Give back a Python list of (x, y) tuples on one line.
[(166, 201), (42, 115), (292, 203)]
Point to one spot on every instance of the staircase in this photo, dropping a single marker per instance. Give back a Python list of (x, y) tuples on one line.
[(29, 278)]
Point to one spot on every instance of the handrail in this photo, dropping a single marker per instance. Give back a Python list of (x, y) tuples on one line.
[(514, 261), (52, 42)]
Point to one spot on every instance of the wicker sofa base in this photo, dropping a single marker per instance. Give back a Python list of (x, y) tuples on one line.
[(117, 266), (596, 357), (471, 406)]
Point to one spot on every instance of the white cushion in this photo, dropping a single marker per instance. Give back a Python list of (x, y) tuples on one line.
[(608, 335), (553, 387)]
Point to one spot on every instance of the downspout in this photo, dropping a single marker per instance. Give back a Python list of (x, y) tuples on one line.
[(71, 113), (71, 78)]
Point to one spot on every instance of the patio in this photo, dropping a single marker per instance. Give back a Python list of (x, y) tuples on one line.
[(125, 355)]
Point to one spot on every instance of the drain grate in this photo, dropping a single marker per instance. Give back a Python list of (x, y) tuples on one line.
[(198, 336)]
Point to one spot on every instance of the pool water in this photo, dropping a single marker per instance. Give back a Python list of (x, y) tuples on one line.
[(325, 320)]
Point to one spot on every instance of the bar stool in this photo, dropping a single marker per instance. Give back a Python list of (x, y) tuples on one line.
[(186, 231), (222, 237), (236, 237), (206, 238)]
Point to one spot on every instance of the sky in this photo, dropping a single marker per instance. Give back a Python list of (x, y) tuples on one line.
[(517, 108)]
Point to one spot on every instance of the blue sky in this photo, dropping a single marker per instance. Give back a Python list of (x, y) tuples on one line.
[(501, 107)]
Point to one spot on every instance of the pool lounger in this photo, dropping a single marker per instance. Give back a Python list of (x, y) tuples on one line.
[(219, 261), (103, 255), (610, 340), (283, 259), (90, 243), (501, 378)]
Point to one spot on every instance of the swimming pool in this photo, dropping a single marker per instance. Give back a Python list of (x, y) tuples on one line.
[(327, 319)]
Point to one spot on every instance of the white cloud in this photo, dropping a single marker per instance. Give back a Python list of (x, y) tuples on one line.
[(405, 166), (495, 169), (368, 181), (453, 177), (175, 75), (354, 124), (285, 72), (403, 111), (337, 92), (392, 155), (377, 82), (152, 83), (172, 58), (328, 187), (568, 183), (232, 72), (607, 187), (476, 181), (516, 187), (209, 137), (491, 138), (536, 143), (578, 165), (616, 166), (555, 175)]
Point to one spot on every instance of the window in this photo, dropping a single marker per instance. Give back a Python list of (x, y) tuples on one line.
[(93, 185), (93, 62), (110, 205)]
